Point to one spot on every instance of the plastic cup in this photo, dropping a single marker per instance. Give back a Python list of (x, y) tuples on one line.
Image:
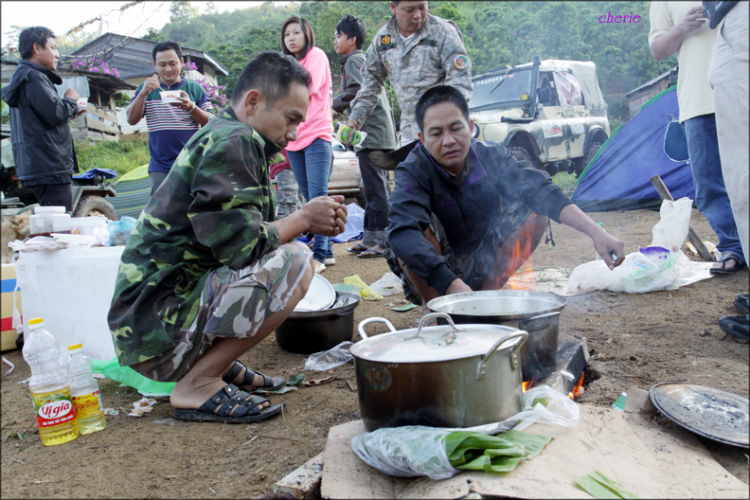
[(83, 103), (168, 96)]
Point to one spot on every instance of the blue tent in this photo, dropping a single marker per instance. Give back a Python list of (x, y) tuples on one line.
[(651, 142)]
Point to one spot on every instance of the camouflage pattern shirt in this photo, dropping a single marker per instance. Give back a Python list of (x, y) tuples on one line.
[(212, 211), (435, 55)]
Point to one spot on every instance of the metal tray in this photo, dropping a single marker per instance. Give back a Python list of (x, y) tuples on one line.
[(713, 413), (320, 295)]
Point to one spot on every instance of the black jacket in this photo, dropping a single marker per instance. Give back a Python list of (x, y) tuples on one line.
[(40, 134), (465, 211)]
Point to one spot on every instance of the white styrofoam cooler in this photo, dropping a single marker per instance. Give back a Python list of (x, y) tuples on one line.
[(72, 290)]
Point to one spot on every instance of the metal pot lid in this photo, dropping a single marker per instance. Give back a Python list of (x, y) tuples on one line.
[(433, 343), (713, 413), (320, 295), (511, 304)]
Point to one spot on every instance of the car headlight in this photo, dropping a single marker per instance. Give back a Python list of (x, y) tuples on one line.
[(475, 132)]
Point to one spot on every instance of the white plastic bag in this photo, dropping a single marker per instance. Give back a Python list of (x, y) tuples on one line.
[(417, 450), (325, 360), (660, 266), (389, 284)]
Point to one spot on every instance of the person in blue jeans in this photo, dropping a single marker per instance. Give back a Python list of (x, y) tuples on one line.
[(679, 28), (311, 155)]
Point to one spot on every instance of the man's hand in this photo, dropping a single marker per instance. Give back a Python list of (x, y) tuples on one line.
[(326, 215), (690, 22), (184, 102), (608, 246), (151, 84), (352, 123), (71, 92), (457, 286)]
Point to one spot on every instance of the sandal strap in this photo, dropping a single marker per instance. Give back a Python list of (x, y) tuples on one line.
[(231, 401), (235, 370)]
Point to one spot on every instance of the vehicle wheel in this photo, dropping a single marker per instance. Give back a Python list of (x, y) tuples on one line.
[(521, 154), (95, 205), (581, 163)]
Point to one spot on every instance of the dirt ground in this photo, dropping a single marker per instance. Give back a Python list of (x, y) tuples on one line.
[(635, 340)]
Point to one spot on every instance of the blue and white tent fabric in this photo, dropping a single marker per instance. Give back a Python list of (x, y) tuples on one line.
[(651, 143)]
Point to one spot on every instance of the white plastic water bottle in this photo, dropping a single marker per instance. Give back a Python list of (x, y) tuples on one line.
[(49, 386), (85, 390)]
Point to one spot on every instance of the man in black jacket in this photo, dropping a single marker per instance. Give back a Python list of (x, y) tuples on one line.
[(464, 214), (40, 135)]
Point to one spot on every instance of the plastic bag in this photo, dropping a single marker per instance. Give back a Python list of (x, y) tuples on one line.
[(119, 230), (367, 293), (325, 360), (389, 284), (349, 135), (126, 375), (660, 266), (418, 450)]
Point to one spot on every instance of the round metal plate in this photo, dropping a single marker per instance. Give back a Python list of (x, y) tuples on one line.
[(713, 413), (320, 295)]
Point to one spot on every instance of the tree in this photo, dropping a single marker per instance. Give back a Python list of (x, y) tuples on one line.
[(182, 11)]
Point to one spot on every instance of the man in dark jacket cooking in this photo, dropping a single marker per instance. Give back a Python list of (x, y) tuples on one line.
[(465, 214), (40, 135)]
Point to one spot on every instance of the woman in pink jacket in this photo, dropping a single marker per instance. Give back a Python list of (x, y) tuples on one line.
[(311, 155)]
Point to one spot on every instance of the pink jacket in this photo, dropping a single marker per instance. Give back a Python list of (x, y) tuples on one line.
[(319, 121)]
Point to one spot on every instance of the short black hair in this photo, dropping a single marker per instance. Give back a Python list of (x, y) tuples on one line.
[(165, 46), (438, 95), (272, 74), (30, 36), (353, 26)]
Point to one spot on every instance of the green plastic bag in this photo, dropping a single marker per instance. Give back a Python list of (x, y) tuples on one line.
[(126, 375)]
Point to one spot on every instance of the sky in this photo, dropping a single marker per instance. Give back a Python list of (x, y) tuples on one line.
[(61, 16)]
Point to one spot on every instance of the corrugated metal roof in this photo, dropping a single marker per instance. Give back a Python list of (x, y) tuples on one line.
[(132, 57)]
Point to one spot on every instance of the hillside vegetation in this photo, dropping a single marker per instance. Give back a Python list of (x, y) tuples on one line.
[(495, 34)]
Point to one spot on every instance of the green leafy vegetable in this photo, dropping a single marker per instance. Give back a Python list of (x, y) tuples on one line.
[(600, 486), (501, 453), (295, 379)]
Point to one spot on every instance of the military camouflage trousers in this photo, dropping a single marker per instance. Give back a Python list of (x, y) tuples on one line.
[(472, 268), (234, 304), (289, 198)]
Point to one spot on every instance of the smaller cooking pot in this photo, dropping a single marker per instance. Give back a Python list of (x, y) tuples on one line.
[(439, 376), (314, 331)]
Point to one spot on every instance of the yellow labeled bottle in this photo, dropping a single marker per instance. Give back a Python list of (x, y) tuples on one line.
[(85, 390), (49, 386)]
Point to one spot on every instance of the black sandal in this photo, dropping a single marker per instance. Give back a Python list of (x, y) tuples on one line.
[(269, 383), (232, 406)]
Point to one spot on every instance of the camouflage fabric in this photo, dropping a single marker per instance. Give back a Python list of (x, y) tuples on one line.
[(434, 56), (289, 199), (234, 303), (472, 268), (211, 211)]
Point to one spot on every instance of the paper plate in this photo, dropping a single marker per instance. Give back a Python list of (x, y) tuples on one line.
[(320, 295), (713, 413)]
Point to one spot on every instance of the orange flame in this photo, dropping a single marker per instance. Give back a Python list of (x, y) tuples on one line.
[(526, 386), (513, 258), (577, 390)]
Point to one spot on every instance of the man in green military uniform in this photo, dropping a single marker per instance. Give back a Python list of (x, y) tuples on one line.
[(416, 51), (208, 272)]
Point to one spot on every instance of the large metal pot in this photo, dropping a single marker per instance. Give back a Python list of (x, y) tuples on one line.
[(440, 376), (306, 332), (535, 312)]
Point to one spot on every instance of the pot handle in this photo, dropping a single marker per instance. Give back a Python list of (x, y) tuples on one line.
[(482, 367), (547, 318), (373, 320), (426, 318)]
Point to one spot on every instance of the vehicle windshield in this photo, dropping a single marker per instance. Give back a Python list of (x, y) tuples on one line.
[(506, 95)]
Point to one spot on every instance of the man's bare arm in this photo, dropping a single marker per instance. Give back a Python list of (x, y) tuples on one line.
[(605, 243), (667, 45)]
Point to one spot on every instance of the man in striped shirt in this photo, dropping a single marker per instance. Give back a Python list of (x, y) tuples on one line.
[(170, 126)]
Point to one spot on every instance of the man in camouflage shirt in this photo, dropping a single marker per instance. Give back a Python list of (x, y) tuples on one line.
[(207, 272), (416, 51)]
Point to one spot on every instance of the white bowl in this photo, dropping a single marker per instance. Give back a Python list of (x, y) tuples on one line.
[(170, 96)]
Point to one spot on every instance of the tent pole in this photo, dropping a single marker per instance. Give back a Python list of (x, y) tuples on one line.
[(692, 235)]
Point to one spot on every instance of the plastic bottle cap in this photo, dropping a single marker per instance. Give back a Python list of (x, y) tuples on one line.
[(73, 347)]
